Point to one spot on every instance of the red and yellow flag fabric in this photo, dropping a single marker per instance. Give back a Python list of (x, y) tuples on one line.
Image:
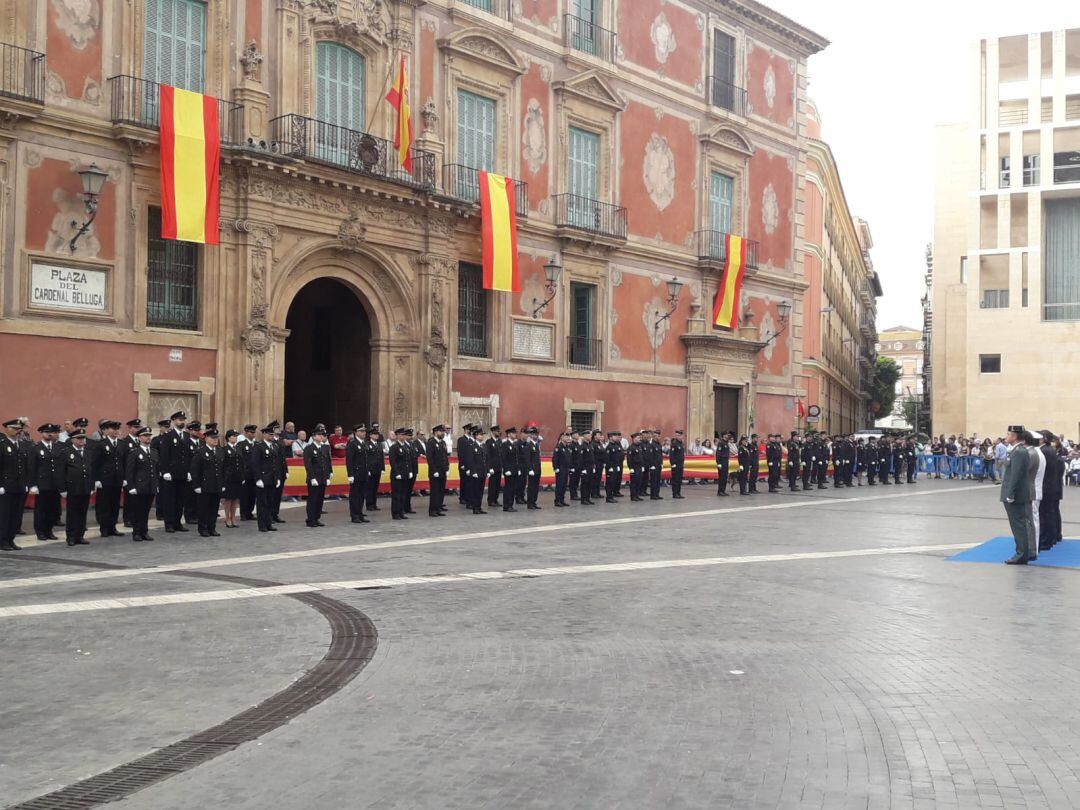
[(403, 133), (499, 231), (190, 158), (726, 303)]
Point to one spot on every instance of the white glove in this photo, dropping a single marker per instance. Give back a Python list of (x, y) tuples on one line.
[(260, 484), (474, 475), (434, 475), (277, 483), (314, 482), (491, 472), (531, 473), (1009, 500), (652, 468), (198, 490), (167, 476), (63, 493), (189, 476), (97, 485), (3, 491), (350, 479), (133, 492), (33, 490), (411, 475), (556, 470), (397, 477)]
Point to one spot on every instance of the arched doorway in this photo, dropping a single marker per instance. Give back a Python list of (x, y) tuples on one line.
[(327, 357)]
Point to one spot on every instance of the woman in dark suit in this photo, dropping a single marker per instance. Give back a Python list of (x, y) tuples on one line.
[(234, 477)]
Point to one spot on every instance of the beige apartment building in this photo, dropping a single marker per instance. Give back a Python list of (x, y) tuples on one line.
[(904, 344), (1006, 292)]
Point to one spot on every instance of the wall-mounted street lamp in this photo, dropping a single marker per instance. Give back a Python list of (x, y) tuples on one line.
[(783, 310), (93, 180), (552, 271), (674, 286)]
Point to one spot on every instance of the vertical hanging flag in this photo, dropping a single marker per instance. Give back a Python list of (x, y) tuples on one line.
[(399, 100), (190, 157), (499, 231), (726, 303), (802, 409)]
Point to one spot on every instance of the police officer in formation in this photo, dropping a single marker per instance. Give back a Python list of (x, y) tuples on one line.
[(438, 461)]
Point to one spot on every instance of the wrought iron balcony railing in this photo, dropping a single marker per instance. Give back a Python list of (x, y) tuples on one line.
[(725, 95), (497, 8), (583, 352), (463, 182), (298, 136), (22, 73), (712, 248), (587, 37), (135, 102), (590, 216)]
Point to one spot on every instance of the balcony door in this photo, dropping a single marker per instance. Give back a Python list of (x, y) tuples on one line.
[(721, 189), (583, 178), (339, 101), (582, 349), (723, 89), (475, 142), (583, 29), (174, 34)]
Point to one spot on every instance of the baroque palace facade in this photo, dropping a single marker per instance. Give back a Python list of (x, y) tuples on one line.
[(345, 289)]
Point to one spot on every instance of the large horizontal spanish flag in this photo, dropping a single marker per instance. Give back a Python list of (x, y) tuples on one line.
[(190, 154), (499, 230), (726, 304)]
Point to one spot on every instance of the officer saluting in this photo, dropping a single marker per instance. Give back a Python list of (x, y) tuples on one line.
[(142, 473)]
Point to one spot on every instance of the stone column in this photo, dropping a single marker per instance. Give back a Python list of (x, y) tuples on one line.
[(434, 275)]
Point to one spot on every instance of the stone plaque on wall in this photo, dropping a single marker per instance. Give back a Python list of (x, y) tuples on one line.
[(68, 288), (534, 341)]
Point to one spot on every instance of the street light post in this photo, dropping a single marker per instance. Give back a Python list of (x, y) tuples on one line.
[(552, 271), (783, 309), (674, 286), (93, 180)]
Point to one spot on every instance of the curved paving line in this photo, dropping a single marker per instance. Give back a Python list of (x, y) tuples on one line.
[(353, 642)]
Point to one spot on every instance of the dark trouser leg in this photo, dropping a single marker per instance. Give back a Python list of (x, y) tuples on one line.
[(397, 498), (315, 496), (247, 501), (436, 492), (275, 499), (124, 511), (374, 478), (170, 503), (575, 480), (191, 504), (1044, 523), (1020, 524), (264, 506), (357, 493), (138, 512), (46, 511), (494, 488), (654, 484), (7, 506), (77, 507), (208, 509), (721, 479), (742, 481), (103, 510), (561, 480), (532, 492), (463, 485), (609, 485), (676, 479), (509, 488)]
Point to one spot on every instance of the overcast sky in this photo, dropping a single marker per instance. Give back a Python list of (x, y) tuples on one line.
[(890, 75)]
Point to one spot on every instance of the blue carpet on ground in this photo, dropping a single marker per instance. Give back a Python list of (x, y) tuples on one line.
[(1065, 554)]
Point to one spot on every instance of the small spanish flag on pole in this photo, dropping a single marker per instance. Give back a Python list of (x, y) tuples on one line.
[(190, 157), (399, 100), (499, 231), (726, 303)]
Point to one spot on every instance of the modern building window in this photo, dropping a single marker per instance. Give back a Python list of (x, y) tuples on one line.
[(1061, 250), (476, 131), (583, 177), (995, 299), (723, 82), (1004, 175), (1031, 170), (990, 363), (172, 279), (472, 311), (583, 350), (582, 420), (173, 43), (721, 190)]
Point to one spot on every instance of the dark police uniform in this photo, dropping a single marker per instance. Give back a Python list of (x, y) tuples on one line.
[(575, 467), (533, 470), (654, 454), (42, 473), (774, 458), (75, 475), (400, 470), (613, 468), (263, 472), (376, 468), (794, 460), (560, 461), (494, 467), (677, 457), (635, 460), (142, 473), (208, 477), (723, 463), (247, 493), (13, 481), (438, 464), (511, 468), (357, 469), (172, 453), (318, 469), (107, 468)]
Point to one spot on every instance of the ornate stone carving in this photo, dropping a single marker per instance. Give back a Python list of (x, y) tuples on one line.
[(770, 209), (435, 355), (352, 234), (663, 38), (262, 234), (251, 60), (429, 116), (401, 406), (654, 310), (658, 170), (770, 86), (79, 20), (534, 137)]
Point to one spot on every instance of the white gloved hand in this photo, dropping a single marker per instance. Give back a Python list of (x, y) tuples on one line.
[(350, 479), (189, 476), (133, 491), (652, 468), (411, 475), (260, 484), (434, 475), (3, 491), (556, 470), (277, 483), (198, 490), (397, 477), (97, 485), (63, 493), (532, 473), (33, 490), (167, 476), (475, 475), (491, 472), (314, 482), (1009, 500)]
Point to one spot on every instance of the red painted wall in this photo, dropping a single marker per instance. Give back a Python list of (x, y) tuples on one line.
[(54, 199), (631, 333), (77, 368), (812, 306), (640, 128), (814, 208), (253, 22), (627, 406), (758, 62), (780, 350), (541, 11), (73, 43), (533, 285), (771, 212), (535, 151), (427, 70), (637, 22), (772, 416)]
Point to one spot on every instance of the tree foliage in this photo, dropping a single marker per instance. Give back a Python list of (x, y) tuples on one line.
[(883, 388)]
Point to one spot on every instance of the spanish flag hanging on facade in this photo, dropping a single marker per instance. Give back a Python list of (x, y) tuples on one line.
[(399, 100), (499, 231), (190, 157), (726, 304)]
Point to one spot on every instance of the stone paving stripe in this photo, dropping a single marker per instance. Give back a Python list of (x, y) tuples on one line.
[(451, 538), (441, 579)]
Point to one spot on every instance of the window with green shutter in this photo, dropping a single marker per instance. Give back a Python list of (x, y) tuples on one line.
[(339, 99), (721, 187), (583, 28), (172, 275), (583, 177), (173, 42), (475, 141), (583, 349)]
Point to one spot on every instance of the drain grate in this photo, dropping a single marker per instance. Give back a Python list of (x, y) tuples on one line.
[(352, 645)]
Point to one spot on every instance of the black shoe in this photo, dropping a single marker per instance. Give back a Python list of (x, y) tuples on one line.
[(720, 494), (656, 498), (683, 497), (609, 500), (560, 503), (115, 533), (204, 534), (573, 497), (53, 537), (277, 520), (310, 524), (14, 547), (42, 539), (533, 506), (357, 520), (822, 486), (509, 509), (634, 498), (410, 511), (272, 528), (170, 530), (1018, 559), (319, 523), (81, 542), (263, 530), (180, 528), (479, 512), (136, 539), (215, 533), (147, 538), (397, 517)]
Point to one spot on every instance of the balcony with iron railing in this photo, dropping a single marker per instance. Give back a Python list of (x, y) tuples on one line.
[(134, 102), (583, 352), (22, 77), (303, 138), (867, 327), (725, 95), (587, 216), (463, 183), (499, 9), (712, 250), (589, 38)]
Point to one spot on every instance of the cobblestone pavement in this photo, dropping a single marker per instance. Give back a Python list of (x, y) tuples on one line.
[(794, 650)]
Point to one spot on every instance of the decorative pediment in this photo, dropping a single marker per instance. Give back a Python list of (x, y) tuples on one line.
[(479, 45), (593, 88), (727, 137)]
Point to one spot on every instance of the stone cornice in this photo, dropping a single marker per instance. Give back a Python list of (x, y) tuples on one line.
[(783, 27)]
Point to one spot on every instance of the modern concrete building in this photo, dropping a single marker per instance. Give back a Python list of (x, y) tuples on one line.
[(839, 327), (345, 289), (1006, 273), (904, 344)]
